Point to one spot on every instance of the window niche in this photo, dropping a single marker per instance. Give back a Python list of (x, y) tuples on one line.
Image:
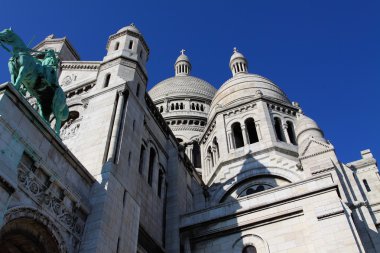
[(278, 129), (249, 249), (117, 44), (152, 158), (291, 133), (251, 130), (107, 80), (237, 135)]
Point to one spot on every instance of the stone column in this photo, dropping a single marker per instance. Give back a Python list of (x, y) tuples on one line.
[(244, 133), (258, 130), (230, 143), (166, 103), (189, 103), (285, 132), (213, 150), (116, 127)]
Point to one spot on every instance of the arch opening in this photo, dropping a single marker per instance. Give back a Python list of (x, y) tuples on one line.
[(291, 133), (249, 249), (251, 129), (278, 128), (237, 135), (26, 235)]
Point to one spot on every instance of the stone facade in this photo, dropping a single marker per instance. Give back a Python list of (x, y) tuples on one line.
[(183, 168)]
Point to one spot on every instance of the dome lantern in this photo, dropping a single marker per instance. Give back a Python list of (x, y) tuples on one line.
[(238, 63), (182, 65)]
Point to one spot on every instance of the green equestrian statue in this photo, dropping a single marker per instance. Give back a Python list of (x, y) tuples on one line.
[(36, 76)]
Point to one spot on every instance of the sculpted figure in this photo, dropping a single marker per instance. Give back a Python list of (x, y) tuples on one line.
[(38, 77)]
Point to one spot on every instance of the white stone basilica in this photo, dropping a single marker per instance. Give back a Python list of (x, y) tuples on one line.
[(183, 168)]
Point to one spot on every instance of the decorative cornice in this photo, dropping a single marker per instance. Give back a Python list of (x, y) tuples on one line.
[(330, 214), (187, 128), (80, 65)]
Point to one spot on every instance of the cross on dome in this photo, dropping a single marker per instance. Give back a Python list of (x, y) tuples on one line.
[(183, 51)]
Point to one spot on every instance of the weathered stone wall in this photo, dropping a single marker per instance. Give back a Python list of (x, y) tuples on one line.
[(42, 181)]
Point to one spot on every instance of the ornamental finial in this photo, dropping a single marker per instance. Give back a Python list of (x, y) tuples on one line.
[(235, 50)]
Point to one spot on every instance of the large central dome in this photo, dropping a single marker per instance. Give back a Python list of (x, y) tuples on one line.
[(182, 86), (184, 102)]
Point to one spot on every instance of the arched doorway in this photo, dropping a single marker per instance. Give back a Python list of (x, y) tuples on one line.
[(26, 235)]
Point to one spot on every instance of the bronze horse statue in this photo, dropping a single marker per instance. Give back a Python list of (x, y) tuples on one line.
[(36, 76)]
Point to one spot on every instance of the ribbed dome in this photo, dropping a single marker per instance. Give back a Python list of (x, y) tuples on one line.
[(182, 86), (130, 27), (243, 88)]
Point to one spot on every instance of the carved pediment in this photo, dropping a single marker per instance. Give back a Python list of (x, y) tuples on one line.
[(315, 147)]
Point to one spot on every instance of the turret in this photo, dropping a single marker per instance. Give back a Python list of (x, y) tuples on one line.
[(127, 54), (238, 63)]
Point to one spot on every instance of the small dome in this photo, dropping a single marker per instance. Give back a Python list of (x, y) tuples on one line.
[(182, 86), (238, 63), (130, 27), (182, 57), (305, 127), (243, 88), (236, 55)]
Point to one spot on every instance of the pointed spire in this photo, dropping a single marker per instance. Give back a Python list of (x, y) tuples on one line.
[(182, 65), (238, 63)]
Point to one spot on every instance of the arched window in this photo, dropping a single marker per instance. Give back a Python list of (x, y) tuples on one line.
[(181, 106), (176, 106), (130, 44), (161, 108), (107, 80), (291, 134), (152, 157), (172, 107), (142, 156), (117, 46), (237, 135), (209, 152), (215, 142), (197, 107), (196, 155), (249, 249), (253, 190), (278, 129), (366, 185), (192, 106), (160, 181), (251, 129), (202, 108)]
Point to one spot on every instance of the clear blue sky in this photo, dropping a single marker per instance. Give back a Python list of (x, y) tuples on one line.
[(323, 54)]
